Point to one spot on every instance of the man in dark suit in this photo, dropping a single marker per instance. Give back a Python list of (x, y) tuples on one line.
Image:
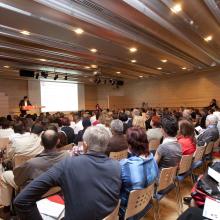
[(210, 133), (24, 102), (90, 182)]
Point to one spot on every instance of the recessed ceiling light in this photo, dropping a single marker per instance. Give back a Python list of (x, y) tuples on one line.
[(208, 38), (159, 68), (176, 8), (133, 49), (78, 30), (43, 60), (133, 61), (93, 50), (118, 72), (183, 68), (164, 61), (94, 66), (191, 22), (87, 67), (7, 67), (141, 76), (25, 32)]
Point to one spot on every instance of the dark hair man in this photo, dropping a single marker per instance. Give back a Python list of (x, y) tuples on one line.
[(169, 153)]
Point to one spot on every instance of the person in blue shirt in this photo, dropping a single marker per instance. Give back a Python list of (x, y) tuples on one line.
[(140, 169)]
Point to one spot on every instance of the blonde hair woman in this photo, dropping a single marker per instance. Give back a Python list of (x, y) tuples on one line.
[(138, 121)]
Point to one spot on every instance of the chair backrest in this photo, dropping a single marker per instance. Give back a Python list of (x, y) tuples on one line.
[(209, 148), (114, 214), (198, 155), (119, 155), (67, 147), (167, 177), (4, 143), (138, 200), (153, 144), (185, 164), (52, 191), (20, 159)]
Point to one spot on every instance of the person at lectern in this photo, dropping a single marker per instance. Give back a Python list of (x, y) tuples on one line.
[(24, 102)]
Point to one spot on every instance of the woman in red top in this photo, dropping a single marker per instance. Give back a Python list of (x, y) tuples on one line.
[(186, 137)]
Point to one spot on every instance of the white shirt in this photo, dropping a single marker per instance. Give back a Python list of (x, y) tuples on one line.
[(154, 133), (93, 119), (6, 133), (25, 103), (25, 144), (169, 140), (78, 127)]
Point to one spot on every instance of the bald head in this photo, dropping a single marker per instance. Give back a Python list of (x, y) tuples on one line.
[(49, 139)]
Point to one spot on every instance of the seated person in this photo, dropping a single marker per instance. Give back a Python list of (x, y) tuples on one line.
[(28, 144), (139, 170), (210, 133), (169, 153), (118, 141), (155, 132), (86, 123), (192, 214), (186, 137), (5, 131), (61, 135), (138, 121), (68, 130), (90, 182), (26, 172)]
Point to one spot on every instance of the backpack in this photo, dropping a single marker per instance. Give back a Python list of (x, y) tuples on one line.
[(206, 186)]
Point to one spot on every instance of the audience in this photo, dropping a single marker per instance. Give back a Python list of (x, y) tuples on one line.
[(186, 137), (169, 153), (28, 143), (78, 124), (92, 176), (26, 172), (105, 121), (140, 169), (210, 133), (138, 121), (5, 131), (68, 130), (155, 132), (86, 123), (187, 114), (90, 182), (118, 141)]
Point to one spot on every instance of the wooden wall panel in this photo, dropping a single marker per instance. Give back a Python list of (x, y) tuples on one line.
[(15, 90), (115, 102), (194, 90), (4, 105), (90, 97)]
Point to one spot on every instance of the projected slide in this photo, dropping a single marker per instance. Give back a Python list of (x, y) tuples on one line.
[(58, 96)]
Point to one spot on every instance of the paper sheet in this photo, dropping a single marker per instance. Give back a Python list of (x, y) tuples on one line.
[(211, 209), (49, 208)]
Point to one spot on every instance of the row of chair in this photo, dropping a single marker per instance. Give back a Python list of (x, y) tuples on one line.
[(170, 178)]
